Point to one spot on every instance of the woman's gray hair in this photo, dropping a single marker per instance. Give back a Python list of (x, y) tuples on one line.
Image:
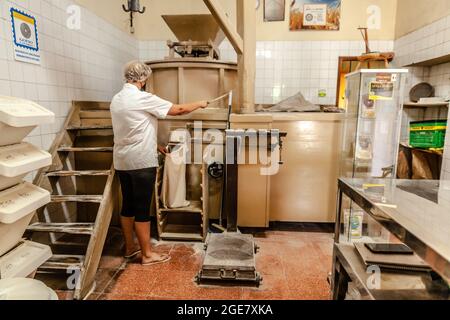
[(136, 71)]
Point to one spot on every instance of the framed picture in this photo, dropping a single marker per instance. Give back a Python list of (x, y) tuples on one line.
[(25, 36), (274, 10), (315, 15)]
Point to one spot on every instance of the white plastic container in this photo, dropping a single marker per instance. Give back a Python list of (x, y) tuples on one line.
[(24, 260), (18, 117), (353, 224), (25, 289), (17, 160), (17, 207)]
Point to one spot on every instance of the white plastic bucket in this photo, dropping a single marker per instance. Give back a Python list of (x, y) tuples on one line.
[(11, 234), (18, 117), (25, 289), (17, 206), (24, 260), (17, 160)]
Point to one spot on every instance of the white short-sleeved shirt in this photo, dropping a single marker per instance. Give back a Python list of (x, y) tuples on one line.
[(135, 117)]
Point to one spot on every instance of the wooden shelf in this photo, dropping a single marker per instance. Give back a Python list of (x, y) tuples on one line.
[(77, 198), (425, 105), (194, 207), (63, 262), (437, 152), (431, 62), (69, 228), (182, 232), (86, 149), (69, 173), (93, 127)]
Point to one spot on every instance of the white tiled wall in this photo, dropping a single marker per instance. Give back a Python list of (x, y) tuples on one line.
[(153, 50), (283, 68), (427, 43), (439, 77), (81, 64)]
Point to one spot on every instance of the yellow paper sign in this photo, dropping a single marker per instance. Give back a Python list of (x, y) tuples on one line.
[(381, 90)]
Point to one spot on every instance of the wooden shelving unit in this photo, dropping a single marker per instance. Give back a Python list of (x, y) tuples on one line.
[(188, 223)]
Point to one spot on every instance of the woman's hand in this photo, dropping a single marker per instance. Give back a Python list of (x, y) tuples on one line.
[(203, 104), (181, 109), (163, 150)]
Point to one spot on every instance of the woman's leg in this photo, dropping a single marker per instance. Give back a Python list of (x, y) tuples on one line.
[(143, 235), (144, 184), (128, 235), (127, 216)]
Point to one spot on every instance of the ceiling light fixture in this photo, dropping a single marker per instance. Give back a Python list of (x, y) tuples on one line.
[(133, 7)]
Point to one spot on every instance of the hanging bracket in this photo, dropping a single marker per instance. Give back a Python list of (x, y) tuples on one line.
[(133, 7)]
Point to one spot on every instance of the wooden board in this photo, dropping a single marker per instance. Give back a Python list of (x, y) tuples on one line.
[(225, 24)]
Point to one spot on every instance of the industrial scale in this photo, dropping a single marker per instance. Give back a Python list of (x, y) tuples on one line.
[(230, 256)]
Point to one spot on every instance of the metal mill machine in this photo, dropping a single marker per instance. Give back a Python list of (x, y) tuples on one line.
[(191, 72)]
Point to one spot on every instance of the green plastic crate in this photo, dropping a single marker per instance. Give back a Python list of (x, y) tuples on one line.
[(428, 134)]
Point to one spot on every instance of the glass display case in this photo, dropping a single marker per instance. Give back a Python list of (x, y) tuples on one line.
[(374, 103), (400, 212)]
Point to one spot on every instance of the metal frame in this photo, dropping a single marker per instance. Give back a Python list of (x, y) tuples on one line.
[(348, 267), (436, 261)]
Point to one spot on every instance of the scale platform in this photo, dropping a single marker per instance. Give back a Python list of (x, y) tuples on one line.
[(229, 257)]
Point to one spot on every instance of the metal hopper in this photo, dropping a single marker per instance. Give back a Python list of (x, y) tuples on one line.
[(198, 35)]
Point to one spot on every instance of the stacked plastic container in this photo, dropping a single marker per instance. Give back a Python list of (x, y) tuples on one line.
[(19, 200)]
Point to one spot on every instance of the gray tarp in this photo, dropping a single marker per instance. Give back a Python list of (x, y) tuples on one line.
[(296, 103)]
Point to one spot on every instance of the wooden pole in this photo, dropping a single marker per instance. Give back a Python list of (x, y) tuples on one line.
[(244, 43), (246, 27), (225, 24)]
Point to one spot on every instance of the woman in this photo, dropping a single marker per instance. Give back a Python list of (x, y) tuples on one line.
[(135, 115)]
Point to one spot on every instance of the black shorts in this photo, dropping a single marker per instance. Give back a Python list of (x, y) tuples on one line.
[(137, 193)]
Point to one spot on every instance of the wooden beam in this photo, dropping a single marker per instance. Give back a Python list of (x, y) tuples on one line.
[(181, 88), (246, 27), (225, 24)]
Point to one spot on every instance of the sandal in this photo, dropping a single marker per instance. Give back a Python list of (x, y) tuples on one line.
[(166, 259), (134, 254)]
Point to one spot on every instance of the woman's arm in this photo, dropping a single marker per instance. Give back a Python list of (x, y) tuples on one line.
[(181, 109)]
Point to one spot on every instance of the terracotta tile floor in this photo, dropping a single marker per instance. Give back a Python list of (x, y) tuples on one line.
[(294, 265)]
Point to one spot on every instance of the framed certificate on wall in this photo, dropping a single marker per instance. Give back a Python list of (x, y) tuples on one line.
[(315, 15), (25, 36)]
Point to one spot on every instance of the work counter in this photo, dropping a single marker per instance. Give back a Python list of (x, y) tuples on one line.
[(304, 190)]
